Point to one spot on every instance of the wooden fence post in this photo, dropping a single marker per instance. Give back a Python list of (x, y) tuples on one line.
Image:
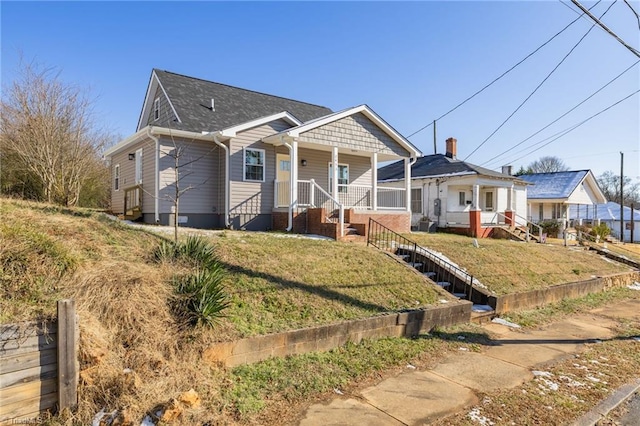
[(68, 368)]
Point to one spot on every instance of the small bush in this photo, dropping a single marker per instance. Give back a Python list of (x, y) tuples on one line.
[(201, 296), (601, 231), (550, 227)]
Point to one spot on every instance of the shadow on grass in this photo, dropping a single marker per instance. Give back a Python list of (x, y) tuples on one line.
[(321, 291)]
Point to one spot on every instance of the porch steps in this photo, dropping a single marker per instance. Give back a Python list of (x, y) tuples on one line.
[(521, 234)]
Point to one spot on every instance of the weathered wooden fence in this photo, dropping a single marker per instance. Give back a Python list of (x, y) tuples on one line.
[(39, 366)]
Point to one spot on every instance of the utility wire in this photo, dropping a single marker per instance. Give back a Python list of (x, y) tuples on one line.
[(634, 12), (537, 87), (501, 75), (562, 116), (604, 27), (572, 128)]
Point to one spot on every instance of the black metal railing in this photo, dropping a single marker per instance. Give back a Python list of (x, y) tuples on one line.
[(447, 275)]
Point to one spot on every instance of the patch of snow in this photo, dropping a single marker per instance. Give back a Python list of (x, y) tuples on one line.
[(481, 308), (338, 391), (594, 379), (147, 421), (505, 322), (461, 337), (475, 416), (634, 286), (570, 382), (443, 301), (463, 349), (637, 338), (411, 367), (542, 373), (96, 419), (547, 384)]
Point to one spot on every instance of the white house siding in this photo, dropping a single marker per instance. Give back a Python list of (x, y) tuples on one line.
[(583, 194), (203, 171), (548, 210), (252, 202), (520, 203), (448, 190), (354, 132)]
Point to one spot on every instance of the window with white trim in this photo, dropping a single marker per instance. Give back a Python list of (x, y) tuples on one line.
[(138, 175), (116, 177), (488, 201), (462, 198), (254, 164), (416, 200), (156, 109), (343, 177)]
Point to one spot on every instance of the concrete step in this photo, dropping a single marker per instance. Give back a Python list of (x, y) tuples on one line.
[(443, 284), (415, 264), (429, 274)]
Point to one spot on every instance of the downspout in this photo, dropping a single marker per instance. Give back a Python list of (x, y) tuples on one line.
[(156, 189), (290, 217), (227, 183)]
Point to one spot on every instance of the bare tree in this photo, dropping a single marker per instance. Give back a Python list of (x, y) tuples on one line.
[(47, 126), (609, 183), (547, 164)]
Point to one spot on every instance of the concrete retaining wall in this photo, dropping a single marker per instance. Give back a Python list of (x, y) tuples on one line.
[(324, 338), (541, 297)]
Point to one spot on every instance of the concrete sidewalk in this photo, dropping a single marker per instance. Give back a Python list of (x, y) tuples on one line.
[(421, 397)]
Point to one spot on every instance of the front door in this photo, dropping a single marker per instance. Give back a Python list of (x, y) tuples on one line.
[(283, 175)]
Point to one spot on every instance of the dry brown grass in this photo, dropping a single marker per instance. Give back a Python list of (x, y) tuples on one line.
[(509, 267)]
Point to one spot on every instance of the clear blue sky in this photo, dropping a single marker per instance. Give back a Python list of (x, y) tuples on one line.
[(411, 62)]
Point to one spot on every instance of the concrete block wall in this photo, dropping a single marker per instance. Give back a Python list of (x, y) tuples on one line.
[(324, 338), (541, 297)]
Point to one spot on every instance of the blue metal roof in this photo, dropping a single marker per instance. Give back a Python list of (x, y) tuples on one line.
[(606, 211), (553, 185)]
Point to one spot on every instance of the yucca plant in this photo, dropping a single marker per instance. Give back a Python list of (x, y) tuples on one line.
[(198, 251), (202, 296)]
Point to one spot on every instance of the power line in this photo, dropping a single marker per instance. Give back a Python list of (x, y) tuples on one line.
[(537, 87), (634, 12), (500, 76), (572, 128), (604, 27), (563, 115)]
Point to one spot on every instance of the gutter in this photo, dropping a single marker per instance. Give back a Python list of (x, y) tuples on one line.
[(291, 177), (227, 183), (156, 189)]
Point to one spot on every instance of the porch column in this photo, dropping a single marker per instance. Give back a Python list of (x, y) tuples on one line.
[(407, 182), (374, 181), (475, 215), (476, 198), (334, 172), (294, 173), (509, 213)]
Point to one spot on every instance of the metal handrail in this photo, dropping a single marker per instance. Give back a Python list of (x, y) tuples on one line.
[(383, 238), (528, 222)]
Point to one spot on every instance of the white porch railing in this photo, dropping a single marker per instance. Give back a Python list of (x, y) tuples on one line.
[(392, 198), (350, 196)]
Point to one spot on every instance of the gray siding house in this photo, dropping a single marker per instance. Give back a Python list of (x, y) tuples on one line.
[(241, 159)]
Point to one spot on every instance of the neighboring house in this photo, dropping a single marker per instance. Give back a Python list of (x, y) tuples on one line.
[(254, 161), (450, 193), (608, 213), (551, 194)]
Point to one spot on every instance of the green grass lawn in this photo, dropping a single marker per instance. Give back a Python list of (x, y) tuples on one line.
[(510, 266), (278, 282)]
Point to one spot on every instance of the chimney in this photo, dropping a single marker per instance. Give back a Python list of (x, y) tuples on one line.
[(451, 148), (507, 170)]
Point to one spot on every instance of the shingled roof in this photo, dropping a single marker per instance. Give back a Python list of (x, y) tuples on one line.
[(437, 165), (191, 99), (554, 185)]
